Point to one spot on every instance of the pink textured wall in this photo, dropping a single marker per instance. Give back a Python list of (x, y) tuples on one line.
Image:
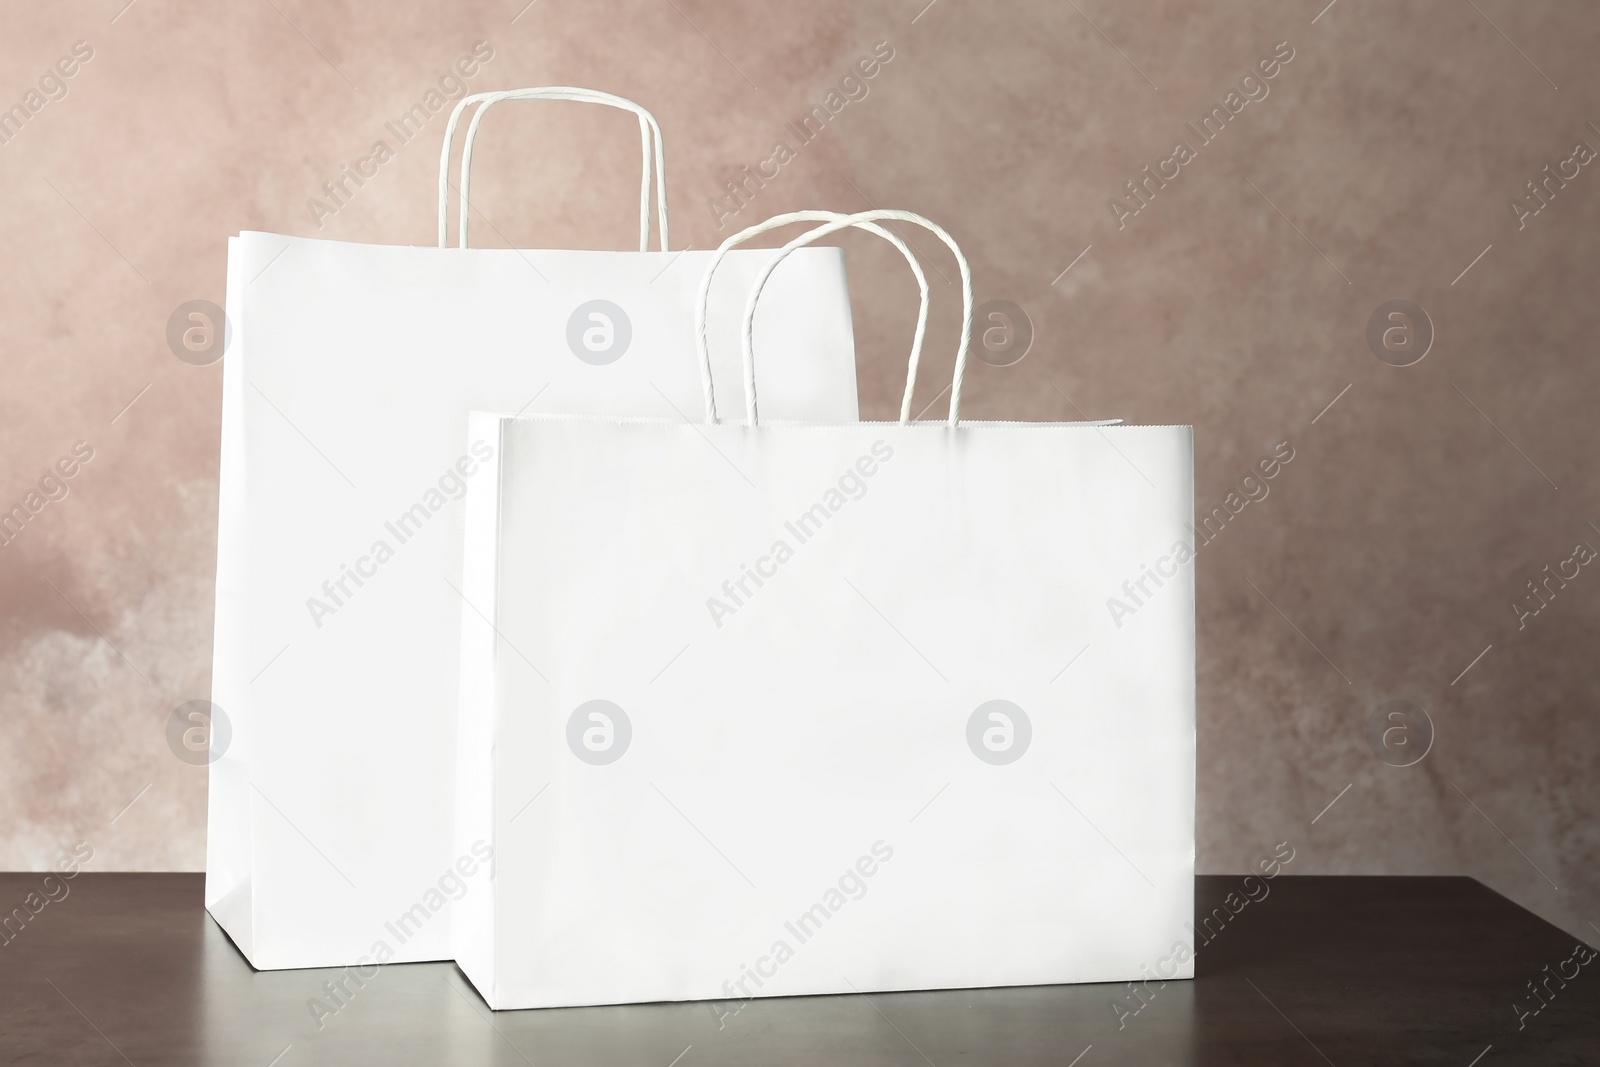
[(1378, 163)]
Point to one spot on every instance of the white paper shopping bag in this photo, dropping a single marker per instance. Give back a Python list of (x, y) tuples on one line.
[(345, 456), (820, 708)]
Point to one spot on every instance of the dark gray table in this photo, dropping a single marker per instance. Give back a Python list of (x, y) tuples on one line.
[(128, 968)]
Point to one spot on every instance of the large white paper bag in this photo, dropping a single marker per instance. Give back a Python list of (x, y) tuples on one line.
[(345, 455), (816, 708)]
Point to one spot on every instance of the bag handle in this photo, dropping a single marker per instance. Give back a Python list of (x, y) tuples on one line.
[(865, 219), (649, 130), (703, 298), (647, 127)]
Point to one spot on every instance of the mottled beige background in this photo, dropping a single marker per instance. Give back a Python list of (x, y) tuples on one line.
[(1381, 164)]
